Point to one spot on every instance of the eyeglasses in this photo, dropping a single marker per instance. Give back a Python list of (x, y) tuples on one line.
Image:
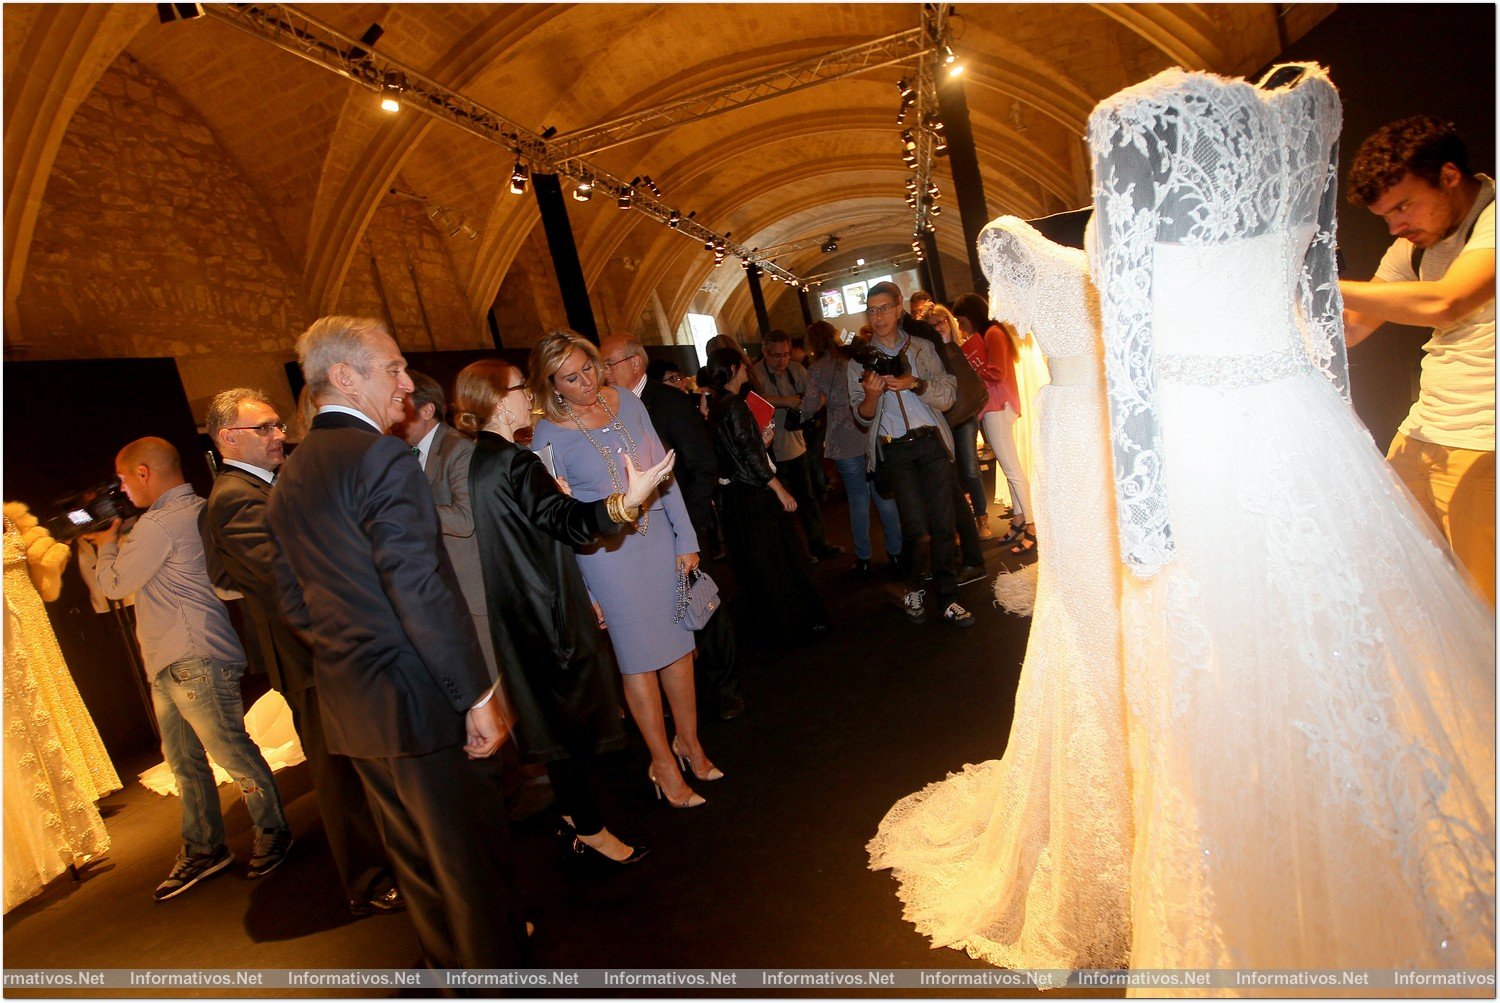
[(880, 311), (611, 363), (511, 390), (263, 429)]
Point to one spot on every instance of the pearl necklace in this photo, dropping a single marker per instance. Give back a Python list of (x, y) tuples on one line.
[(616, 425)]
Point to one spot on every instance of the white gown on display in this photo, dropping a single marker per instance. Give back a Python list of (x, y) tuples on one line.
[(1310, 680), (1024, 861), (56, 766)]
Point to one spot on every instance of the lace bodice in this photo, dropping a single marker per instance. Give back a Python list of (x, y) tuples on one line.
[(1213, 253), (1040, 287)]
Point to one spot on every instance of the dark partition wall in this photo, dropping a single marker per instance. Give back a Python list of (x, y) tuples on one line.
[(1390, 61), (64, 423)]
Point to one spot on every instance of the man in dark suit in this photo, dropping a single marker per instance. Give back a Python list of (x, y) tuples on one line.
[(236, 534), (445, 456), (401, 677), (680, 426)]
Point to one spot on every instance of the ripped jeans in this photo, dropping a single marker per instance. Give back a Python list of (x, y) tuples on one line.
[(198, 706)]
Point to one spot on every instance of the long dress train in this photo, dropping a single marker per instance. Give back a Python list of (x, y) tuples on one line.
[(1310, 680), (1024, 861)]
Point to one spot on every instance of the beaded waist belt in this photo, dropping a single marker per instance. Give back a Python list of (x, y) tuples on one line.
[(1231, 371)]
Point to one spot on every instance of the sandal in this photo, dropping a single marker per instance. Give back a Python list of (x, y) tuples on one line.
[(1016, 532), (1027, 544)]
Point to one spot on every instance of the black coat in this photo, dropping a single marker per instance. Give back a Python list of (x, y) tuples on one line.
[(554, 659), (680, 426), (363, 577), (237, 546)]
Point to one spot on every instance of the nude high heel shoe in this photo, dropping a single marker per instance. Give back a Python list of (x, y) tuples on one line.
[(693, 799), (714, 773)]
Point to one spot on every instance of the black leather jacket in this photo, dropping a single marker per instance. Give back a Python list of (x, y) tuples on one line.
[(742, 458)]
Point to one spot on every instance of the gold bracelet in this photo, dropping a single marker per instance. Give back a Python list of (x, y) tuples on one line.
[(615, 505)]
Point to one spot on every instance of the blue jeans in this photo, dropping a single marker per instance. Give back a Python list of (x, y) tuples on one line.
[(857, 487), (198, 707), (966, 456)]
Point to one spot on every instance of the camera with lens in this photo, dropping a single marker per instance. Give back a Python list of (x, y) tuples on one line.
[(90, 510), (873, 360)]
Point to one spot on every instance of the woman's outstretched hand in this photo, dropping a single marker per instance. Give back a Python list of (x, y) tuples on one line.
[(641, 483)]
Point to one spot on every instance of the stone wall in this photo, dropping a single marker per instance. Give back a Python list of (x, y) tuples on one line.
[(150, 242), (529, 303), (402, 273)]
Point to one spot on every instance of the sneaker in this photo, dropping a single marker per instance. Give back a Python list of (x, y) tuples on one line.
[(958, 616), (190, 869), (271, 847), (971, 573), (983, 522), (912, 603)]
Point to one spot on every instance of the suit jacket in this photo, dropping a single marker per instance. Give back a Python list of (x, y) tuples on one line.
[(236, 529), (447, 471), (680, 426), (362, 576)]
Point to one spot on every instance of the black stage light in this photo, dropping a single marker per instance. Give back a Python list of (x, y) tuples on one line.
[(907, 93), (166, 13), (549, 132), (675, 219), (518, 178), (625, 197), (585, 189)]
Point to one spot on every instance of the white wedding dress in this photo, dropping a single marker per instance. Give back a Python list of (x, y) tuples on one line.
[(1024, 861), (1310, 680)]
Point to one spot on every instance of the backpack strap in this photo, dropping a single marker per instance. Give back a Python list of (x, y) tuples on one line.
[(1417, 252)]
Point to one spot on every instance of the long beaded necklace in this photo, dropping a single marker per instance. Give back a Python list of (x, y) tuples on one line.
[(614, 472)]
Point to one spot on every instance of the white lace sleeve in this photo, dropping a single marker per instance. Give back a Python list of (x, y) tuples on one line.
[(1129, 150), (1322, 303)]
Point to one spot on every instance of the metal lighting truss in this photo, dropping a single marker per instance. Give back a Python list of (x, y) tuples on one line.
[(293, 31), (857, 230), (897, 261), (901, 47), (935, 30)]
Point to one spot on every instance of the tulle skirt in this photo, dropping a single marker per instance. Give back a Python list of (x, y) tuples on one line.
[(1311, 703)]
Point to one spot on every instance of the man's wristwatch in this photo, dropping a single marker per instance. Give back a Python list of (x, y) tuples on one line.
[(920, 387)]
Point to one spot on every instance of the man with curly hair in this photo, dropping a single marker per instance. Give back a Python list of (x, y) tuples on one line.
[(1439, 273)]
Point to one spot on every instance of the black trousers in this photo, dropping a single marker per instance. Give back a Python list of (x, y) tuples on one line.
[(575, 799), (445, 829), (918, 473), (718, 658), (795, 475), (348, 822)]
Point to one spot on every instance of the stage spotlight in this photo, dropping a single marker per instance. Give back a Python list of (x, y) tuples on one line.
[(585, 189), (549, 132), (518, 178), (675, 219), (933, 123), (625, 198), (907, 94), (941, 149), (169, 12), (390, 97), (908, 139), (950, 59)]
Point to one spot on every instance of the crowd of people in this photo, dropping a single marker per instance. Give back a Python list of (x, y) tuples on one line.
[(461, 596)]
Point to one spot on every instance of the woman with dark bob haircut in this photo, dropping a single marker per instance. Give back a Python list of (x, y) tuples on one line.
[(768, 563)]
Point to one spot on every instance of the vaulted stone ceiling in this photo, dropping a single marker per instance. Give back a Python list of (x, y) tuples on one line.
[(322, 157)]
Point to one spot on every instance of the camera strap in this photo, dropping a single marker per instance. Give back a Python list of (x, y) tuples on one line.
[(905, 420)]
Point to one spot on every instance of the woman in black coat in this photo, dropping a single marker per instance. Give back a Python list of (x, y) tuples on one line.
[(769, 564), (554, 659)]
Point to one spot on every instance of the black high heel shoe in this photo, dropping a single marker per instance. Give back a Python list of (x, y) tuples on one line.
[(590, 857)]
